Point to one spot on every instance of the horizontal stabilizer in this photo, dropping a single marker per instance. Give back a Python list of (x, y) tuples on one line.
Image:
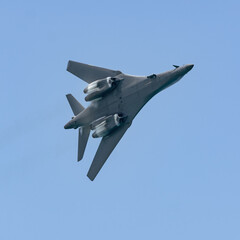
[(83, 135), (90, 73), (75, 105)]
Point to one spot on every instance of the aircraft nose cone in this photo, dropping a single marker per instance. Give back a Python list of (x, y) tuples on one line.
[(189, 66)]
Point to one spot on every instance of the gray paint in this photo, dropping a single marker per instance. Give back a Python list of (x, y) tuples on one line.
[(130, 95)]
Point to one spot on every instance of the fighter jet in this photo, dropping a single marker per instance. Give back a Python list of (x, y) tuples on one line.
[(115, 99)]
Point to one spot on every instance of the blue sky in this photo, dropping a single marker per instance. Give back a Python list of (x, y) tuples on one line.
[(174, 175)]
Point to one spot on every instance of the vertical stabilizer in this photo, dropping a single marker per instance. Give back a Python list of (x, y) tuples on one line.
[(75, 105)]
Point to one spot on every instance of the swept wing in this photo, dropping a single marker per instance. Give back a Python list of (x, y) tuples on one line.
[(105, 148), (90, 73)]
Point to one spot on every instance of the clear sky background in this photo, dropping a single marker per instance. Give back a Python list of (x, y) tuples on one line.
[(175, 173)]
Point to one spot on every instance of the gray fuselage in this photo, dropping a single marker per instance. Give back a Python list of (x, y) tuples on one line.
[(128, 97)]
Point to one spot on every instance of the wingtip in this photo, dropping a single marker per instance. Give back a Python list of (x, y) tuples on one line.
[(69, 65), (90, 177)]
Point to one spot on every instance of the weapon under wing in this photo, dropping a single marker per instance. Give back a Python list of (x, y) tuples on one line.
[(90, 73), (108, 143)]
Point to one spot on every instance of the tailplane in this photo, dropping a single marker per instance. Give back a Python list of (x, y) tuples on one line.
[(83, 134), (84, 131)]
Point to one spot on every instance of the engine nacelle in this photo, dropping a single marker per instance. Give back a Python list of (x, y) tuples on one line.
[(100, 87), (106, 125)]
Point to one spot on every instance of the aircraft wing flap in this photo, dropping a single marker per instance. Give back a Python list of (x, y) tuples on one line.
[(105, 148), (90, 73)]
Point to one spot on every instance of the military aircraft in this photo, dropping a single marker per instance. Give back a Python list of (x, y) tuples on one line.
[(115, 98)]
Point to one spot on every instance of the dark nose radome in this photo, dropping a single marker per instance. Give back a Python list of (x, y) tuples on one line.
[(190, 66)]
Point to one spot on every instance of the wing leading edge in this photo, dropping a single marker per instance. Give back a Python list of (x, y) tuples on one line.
[(105, 148), (90, 73)]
